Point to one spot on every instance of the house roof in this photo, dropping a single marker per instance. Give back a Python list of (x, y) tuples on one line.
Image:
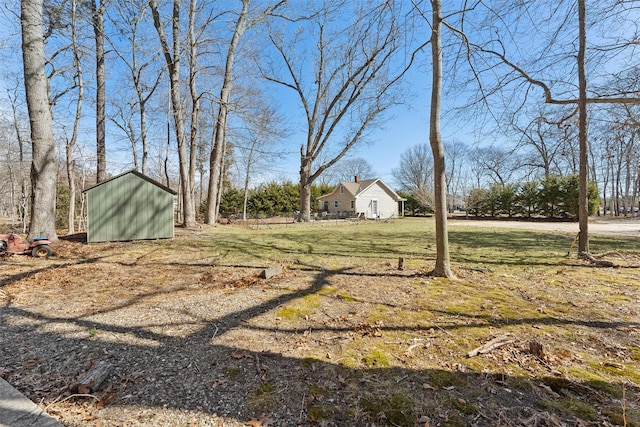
[(139, 175), (357, 188)]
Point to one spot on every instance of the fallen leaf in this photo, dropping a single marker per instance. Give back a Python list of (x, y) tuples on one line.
[(107, 399), (262, 421), (219, 382), (31, 363)]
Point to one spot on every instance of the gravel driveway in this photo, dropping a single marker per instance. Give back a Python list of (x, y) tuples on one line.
[(623, 227)]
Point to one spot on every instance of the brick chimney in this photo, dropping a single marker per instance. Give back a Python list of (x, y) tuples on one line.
[(356, 178)]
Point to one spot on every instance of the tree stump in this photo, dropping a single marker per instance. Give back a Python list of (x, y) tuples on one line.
[(537, 350)]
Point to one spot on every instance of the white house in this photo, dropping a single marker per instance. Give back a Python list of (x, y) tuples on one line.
[(370, 198)]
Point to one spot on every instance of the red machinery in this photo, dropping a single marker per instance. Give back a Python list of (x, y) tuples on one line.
[(10, 244)]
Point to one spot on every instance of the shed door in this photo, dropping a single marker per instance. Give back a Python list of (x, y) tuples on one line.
[(374, 208)]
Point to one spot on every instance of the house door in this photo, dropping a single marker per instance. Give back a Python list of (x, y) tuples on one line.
[(374, 208)]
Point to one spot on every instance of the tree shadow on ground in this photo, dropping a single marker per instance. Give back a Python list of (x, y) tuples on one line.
[(236, 365)]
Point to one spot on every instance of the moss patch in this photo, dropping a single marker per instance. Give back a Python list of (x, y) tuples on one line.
[(394, 410), (376, 358), (573, 407), (292, 313)]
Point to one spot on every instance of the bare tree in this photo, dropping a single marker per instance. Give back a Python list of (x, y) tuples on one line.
[(23, 177), (498, 164), (544, 141), (43, 166), (216, 163), (256, 143), (583, 203), (144, 78), (415, 173), (554, 67), (340, 71), (350, 167), (71, 142), (172, 57), (457, 154), (194, 124), (97, 12), (442, 267)]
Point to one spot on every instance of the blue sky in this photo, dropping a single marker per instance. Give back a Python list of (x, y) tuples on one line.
[(406, 126)]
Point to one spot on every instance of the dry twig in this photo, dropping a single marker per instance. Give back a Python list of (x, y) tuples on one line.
[(491, 345)]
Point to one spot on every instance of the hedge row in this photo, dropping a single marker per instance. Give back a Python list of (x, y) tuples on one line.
[(551, 197)]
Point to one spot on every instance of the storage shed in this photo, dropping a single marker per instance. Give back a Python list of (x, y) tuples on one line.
[(130, 206)]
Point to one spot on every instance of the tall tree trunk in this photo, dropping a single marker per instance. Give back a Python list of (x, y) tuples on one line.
[(101, 151), (215, 168), (247, 176), (583, 204), (143, 137), (43, 164), (218, 149), (70, 163), (221, 180), (195, 98), (71, 213), (305, 187), (219, 145), (172, 58), (442, 267), (24, 194)]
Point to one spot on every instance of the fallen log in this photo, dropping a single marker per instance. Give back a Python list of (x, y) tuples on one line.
[(93, 379)]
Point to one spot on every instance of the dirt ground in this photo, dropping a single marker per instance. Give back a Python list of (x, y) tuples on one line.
[(192, 343)]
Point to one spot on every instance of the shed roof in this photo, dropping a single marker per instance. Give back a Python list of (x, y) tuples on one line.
[(139, 175)]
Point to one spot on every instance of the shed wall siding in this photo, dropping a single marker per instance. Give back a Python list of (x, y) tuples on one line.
[(129, 208)]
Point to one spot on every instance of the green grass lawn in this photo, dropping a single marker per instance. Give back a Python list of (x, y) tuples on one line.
[(336, 246)]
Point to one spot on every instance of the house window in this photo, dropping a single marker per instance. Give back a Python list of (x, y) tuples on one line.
[(342, 189), (335, 204), (353, 204), (325, 206)]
